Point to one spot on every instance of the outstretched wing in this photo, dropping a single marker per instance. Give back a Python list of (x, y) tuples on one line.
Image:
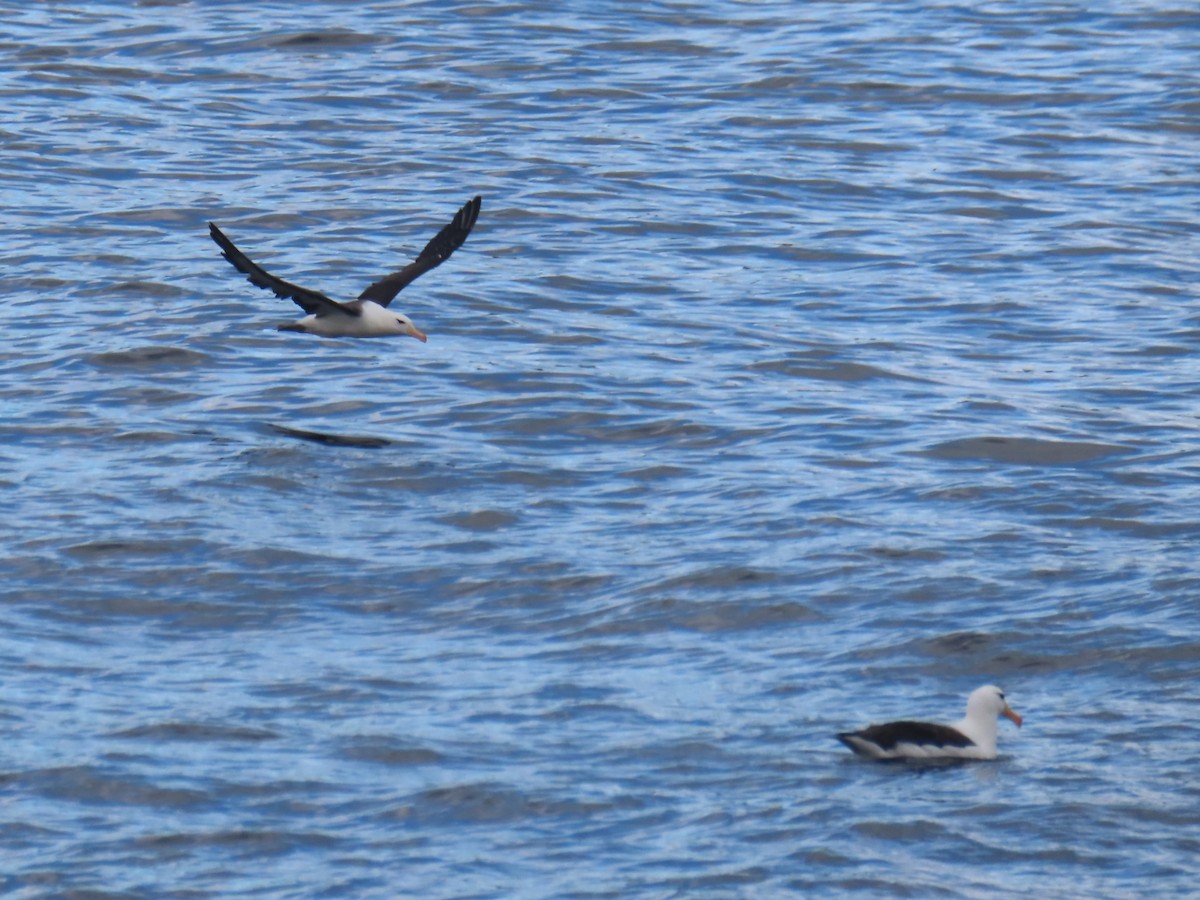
[(435, 253), (312, 302)]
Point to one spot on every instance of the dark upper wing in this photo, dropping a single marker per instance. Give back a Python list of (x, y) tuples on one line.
[(435, 253), (312, 302), (925, 733)]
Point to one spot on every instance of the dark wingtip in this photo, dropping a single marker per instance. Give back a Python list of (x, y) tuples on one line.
[(470, 209), (470, 212)]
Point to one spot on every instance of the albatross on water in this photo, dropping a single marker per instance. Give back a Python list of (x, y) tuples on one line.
[(367, 316), (974, 737)]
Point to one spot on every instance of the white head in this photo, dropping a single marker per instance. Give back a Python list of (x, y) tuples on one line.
[(987, 704), (404, 325)]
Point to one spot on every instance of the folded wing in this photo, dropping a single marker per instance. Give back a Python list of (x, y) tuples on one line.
[(924, 734), (435, 253)]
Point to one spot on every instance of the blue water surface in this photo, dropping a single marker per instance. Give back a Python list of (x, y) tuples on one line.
[(810, 365)]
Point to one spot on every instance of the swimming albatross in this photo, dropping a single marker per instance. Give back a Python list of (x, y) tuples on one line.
[(367, 316), (974, 737)]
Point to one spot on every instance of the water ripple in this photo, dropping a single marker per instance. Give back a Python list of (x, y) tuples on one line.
[(807, 366)]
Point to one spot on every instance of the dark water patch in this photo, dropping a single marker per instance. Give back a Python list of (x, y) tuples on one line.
[(1001, 213), (131, 549), (658, 473), (118, 294), (809, 256), (718, 579), (84, 608), (242, 842), (99, 786), (962, 643), (1024, 451), (909, 553), (149, 395), (335, 37), (350, 694), (329, 439), (488, 803), (715, 617), (159, 216), (35, 285), (841, 462), (580, 339), (151, 438), (716, 881), (905, 831), (806, 366), (386, 750), (148, 358), (879, 887), (195, 732), (534, 586), (482, 520), (661, 47)]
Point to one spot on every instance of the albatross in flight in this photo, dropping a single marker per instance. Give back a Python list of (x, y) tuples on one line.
[(974, 737), (368, 316)]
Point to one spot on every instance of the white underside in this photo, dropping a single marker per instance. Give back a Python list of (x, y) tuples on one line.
[(923, 751), (375, 321), (340, 326)]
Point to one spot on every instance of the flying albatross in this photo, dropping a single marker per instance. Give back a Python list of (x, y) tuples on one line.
[(974, 737), (367, 316)]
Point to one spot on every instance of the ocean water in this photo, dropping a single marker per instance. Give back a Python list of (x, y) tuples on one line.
[(810, 365)]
